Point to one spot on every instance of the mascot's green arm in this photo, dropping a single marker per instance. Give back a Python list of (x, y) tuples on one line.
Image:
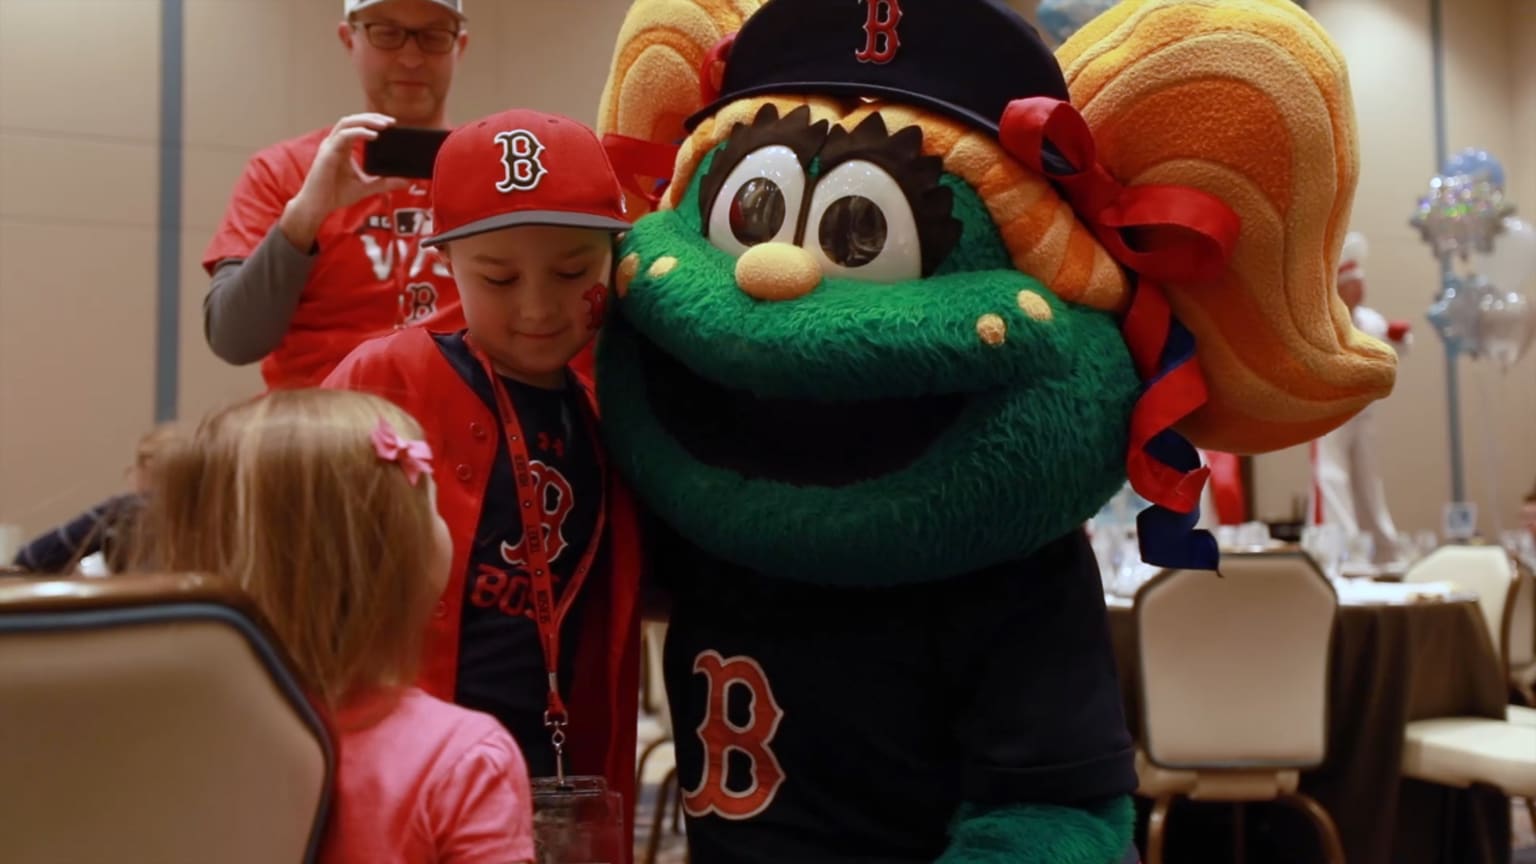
[(1041, 834)]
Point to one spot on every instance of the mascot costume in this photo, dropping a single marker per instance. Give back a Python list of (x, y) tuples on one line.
[(916, 298)]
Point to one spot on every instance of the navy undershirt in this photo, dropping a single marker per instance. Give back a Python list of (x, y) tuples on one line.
[(501, 664)]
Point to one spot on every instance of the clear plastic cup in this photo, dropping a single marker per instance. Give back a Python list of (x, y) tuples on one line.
[(579, 822)]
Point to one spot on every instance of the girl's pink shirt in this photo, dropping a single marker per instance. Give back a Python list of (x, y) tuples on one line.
[(420, 780)]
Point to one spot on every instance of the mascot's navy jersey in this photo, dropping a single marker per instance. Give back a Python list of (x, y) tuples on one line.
[(811, 719)]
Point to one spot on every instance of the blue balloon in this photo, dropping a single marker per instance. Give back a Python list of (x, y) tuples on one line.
[(1454, 314), (1061, 18), (1474, 162)]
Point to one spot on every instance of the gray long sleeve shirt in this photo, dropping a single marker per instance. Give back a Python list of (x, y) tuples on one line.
[(251, 301)]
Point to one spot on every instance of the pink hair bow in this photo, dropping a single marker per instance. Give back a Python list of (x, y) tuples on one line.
[(415, 457)]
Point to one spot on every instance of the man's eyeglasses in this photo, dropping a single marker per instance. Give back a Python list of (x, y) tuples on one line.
[(391, 37)]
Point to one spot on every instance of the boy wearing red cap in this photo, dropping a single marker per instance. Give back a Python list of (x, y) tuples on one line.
[(539, 623)]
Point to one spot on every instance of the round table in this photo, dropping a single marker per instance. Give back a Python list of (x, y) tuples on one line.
[(1392, 662)]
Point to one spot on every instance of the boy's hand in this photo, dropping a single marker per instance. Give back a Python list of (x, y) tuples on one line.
[(335, 180)]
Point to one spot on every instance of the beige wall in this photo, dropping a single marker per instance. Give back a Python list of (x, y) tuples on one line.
[(1491, 99), (78, 161)]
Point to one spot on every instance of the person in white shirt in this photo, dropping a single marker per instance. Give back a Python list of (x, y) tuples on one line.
[(1347, 488)]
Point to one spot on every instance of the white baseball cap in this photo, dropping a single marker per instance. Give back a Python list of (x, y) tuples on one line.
[(350, 6)]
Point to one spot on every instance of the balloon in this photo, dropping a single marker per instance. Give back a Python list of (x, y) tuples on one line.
[(1506, 325), (1476, 162), (1455, 315), (1062, 18), (1461, 214), (1512, 262)]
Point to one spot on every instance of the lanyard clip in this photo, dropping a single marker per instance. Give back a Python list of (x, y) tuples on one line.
[(556, 721)]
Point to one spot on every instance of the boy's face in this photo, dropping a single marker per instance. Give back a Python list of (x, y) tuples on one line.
[(533, 295)]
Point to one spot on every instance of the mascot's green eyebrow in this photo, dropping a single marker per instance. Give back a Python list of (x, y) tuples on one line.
[(820, 147)]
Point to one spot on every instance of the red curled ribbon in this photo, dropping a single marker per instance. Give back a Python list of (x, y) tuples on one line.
[(634, 158), (1173, 392), (1120, 215), (1161, 234)]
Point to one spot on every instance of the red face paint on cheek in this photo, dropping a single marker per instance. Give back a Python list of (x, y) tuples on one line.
[(597, 305)]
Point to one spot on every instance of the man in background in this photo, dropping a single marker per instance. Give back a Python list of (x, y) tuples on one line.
[(314, 257), (1347, 488)]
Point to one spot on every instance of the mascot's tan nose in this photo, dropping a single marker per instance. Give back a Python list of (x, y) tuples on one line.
[(777, 271)]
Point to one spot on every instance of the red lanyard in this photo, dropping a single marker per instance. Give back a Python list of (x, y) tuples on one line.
[(547, 614)]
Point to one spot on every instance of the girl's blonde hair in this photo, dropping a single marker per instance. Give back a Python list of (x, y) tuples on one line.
[(153, 442), (287, 496)]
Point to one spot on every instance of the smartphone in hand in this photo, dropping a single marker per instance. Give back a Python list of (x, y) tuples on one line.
[(403, 151)]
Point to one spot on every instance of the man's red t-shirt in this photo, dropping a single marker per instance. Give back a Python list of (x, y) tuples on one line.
[(370, 276)]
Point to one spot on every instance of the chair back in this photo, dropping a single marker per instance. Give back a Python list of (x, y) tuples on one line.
[(1487, 571), (1234, 666), (1520, 645), (152, 719)]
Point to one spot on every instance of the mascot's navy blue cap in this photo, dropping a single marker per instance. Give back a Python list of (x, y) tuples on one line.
[(964, 58)]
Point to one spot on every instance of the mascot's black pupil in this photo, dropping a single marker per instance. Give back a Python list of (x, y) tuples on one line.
[(757, 211), (852, 231)]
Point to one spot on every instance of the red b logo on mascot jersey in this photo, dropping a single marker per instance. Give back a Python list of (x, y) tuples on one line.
[(720, 736), (880, 38)]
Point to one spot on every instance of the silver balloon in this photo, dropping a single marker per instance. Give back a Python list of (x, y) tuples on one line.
[(1461, 214), (1511, 265), (1456, 314), (1506, 324)]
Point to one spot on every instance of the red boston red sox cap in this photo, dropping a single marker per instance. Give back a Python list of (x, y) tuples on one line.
[(522, 167)]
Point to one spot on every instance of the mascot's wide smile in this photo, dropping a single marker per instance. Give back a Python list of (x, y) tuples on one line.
[(826, 348)]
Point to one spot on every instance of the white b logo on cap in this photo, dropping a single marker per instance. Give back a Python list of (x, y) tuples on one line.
[(520, 151)]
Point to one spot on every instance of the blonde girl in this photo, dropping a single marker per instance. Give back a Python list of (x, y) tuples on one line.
[(320, 505)]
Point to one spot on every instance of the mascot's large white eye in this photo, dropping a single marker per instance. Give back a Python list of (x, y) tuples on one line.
[(860, 225), (759, 201)]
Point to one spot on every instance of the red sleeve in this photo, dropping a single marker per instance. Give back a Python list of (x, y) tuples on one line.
[(255, 206)]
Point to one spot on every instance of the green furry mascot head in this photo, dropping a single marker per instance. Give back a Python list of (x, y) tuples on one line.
[(898, 316)]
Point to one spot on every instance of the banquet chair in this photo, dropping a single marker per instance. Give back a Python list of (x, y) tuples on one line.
[(153, 719), (1234, 677), (1506, 597), (1462, 751), (1521, 638), (1487, 571)]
